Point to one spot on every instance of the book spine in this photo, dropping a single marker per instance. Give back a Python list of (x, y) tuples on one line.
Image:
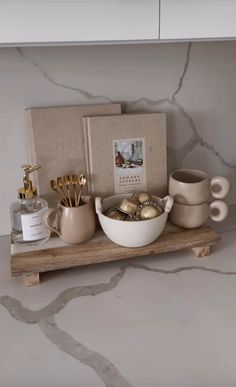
[(88, 160)]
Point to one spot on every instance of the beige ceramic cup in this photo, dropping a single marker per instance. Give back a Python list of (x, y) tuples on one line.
[(74, 224), (195, 216), (192, 187)]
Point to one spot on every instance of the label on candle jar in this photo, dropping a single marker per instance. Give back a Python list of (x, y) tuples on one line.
[(33, 227), (129, 165)]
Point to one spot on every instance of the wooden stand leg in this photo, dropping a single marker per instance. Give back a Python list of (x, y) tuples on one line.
[(202, 251), (32, 279)]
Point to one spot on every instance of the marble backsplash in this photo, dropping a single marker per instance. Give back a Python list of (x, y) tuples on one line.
[(194, 83)]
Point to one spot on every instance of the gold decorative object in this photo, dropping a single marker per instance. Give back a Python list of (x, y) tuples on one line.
[(75, 181), (114, 213), (141, 196), (140, 206), (66, 180), (129, 206), (56, 188), (63, 186), (28, 191), (82, 182), (60, 183), (149, 210)]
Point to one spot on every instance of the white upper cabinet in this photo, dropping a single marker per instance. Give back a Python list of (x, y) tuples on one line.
[(32, 22), (197, 19), (68, 21)]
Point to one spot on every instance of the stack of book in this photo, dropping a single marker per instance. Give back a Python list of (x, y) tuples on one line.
[(120, 153)]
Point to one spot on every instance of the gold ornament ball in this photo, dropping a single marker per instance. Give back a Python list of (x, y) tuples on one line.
[(141, 196), (149, 212), (129, 205)]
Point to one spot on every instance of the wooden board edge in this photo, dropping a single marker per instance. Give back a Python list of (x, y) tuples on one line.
[(212, 239)]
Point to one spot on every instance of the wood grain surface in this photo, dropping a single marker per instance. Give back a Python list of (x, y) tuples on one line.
[(101, 249)]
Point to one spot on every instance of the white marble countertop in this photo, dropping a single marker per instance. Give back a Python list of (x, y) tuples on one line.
[(165, 320)]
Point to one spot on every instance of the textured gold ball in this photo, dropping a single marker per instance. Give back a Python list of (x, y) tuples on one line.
[(129, 205), (115, 214), (149, 212), (141, 196)]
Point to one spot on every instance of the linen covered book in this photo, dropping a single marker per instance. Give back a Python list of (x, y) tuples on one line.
[(126, 153), (56, 140)]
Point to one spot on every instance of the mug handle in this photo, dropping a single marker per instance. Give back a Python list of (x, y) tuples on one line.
[(223, 210), (224, 185), (47, 217), (168, 202)]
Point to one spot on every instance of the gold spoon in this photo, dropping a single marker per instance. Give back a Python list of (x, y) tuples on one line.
[(82, 182), (60, 183), (66, 180), (55, 187), (75, 181)]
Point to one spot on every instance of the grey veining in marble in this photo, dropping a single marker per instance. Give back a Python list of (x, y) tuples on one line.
[(189, 145), (105, 370), (173, 98), (48, 77), (194, 83), (45, 317), (23, 314), (181, 79)]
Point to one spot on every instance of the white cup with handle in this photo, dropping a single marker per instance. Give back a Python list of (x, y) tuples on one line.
[(193, 216), (193, 187)]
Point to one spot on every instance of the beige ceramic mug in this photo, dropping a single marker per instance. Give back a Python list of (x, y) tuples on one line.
[(191, 186), (195, 216), (73, 224)]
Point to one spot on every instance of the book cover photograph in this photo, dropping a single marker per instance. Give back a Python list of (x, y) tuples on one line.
[(129, 165), (126, 153)]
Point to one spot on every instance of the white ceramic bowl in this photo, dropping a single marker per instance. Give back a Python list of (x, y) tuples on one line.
[(132, 234)]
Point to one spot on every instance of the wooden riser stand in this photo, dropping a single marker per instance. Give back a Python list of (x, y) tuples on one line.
[(32, 261)]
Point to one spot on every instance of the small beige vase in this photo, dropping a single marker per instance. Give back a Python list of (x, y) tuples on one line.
[(73, 224)]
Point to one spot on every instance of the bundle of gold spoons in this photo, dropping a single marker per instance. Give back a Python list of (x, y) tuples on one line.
[(56, 189), (60, 183), (66, 181), (63, 185)]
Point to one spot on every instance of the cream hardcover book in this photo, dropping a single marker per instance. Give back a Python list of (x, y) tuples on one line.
[(56, 140), (126, 153)]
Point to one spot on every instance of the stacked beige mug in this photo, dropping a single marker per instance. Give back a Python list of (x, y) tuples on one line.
[(191, 190)]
